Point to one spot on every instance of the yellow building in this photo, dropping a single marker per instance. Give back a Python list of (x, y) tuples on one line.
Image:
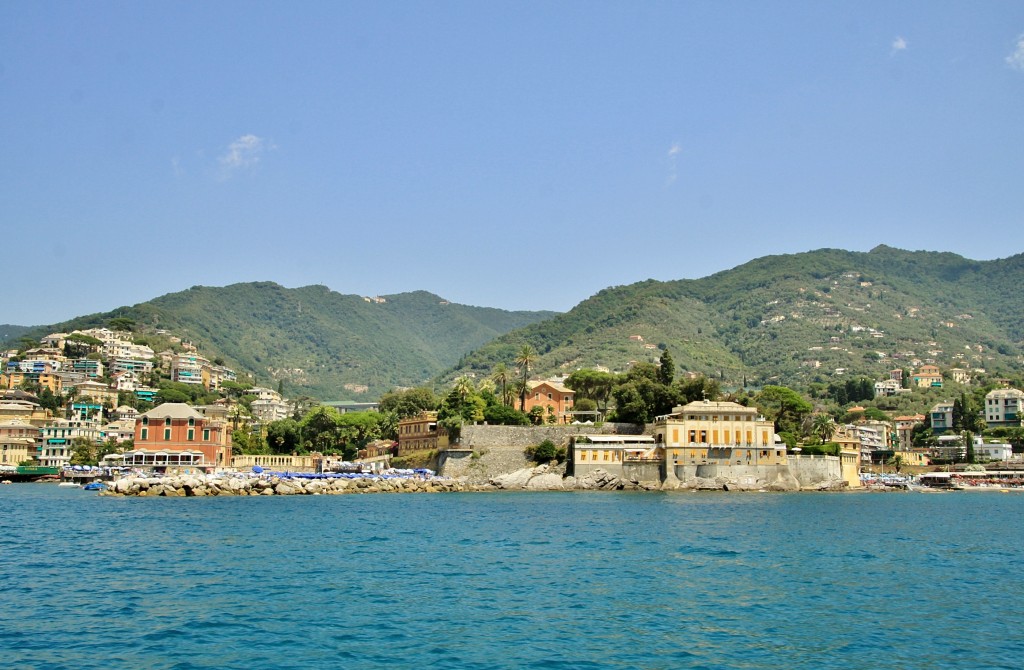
[(17, 442), (421, 433), (849, 453), (97, 392), (48, 380), (724, 433), (20, 410)]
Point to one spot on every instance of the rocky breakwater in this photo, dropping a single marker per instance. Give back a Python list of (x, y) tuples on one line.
[(551, 478), (212, 485)]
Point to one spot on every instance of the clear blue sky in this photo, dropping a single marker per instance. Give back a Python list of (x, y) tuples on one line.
[(521, 155)]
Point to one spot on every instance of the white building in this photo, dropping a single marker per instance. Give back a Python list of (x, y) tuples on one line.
[(1003, 407), (994, 451), (57, 438)]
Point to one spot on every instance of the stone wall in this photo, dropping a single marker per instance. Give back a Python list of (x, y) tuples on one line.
[(486, 452), (481, 437), (811, 470)]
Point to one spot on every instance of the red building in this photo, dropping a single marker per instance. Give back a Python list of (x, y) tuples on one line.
[(174, 434)]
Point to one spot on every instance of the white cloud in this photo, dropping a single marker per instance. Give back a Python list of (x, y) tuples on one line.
[(899, 44), (245, 152), (673, 151), (1016, 59)]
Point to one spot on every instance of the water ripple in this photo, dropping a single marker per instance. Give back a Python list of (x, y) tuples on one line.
[(508, 581)]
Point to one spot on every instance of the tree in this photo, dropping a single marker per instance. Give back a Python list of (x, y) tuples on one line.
[(667, 369), (503, 415), (968, 440), (545, 452), (593, 384), (463, 387), (283, 436), (500, 375), (896, 462), (83, 452), (409, 403), (321, 429), (121, 323), (823, 426), (698, 388), (524, 361), (784, 406)]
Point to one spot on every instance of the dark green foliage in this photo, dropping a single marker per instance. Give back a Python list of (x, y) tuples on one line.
[(771, 321), (283, 436), (409, 403), (545, 451), (666, 368), (502, 415), (313, 338)]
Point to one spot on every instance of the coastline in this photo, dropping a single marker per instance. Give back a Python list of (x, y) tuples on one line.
[(540, 478)]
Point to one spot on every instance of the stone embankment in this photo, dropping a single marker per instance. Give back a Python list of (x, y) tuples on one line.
[(202, 485), (540, 478)]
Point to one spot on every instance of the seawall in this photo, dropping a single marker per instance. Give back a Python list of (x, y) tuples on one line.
[(485, 452)]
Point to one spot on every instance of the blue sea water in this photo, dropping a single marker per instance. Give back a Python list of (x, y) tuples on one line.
[(511, 580)]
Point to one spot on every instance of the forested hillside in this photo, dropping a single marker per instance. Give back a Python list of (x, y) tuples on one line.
[(792, 319), (318, 341)]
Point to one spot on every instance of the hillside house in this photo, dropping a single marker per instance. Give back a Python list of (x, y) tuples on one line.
[(553, 397)]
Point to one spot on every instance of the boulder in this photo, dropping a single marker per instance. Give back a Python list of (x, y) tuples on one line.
[(513, 480), (548, 481)]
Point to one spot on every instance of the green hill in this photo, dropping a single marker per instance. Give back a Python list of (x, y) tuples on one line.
[(793, 319), (318, 341)]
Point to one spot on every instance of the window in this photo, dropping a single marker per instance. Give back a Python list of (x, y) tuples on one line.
[(191, 434), (145, 421), (167, 421), (206, 434), (145, 434), (167, 434)]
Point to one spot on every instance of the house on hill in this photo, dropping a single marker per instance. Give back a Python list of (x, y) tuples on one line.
[(928, 376), (552, 397)]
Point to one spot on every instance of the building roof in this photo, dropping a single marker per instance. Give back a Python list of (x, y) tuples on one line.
[(558, 386), (724, 406), (172, 410)]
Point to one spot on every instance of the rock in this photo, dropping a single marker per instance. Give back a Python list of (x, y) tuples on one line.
[(513, 480), (549, 481)]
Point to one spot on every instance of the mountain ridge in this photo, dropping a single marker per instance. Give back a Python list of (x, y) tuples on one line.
[(791, 318)]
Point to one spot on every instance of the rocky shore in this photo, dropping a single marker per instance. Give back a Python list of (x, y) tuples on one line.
[(540, 478)]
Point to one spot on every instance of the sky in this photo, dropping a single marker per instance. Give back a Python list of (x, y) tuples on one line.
[(521, 155)]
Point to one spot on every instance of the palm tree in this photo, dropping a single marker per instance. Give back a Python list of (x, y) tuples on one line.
[(526, 358), (522, 387), (501, 377), (896, 462), (823, 426), (463, 386)]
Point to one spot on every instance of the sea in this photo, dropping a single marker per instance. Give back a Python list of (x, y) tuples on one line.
[(512, 580)]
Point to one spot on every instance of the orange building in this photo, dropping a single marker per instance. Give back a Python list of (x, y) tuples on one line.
[(551, 397), (175, 434)]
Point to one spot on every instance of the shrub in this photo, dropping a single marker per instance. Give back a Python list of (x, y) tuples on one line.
[(545, 451)]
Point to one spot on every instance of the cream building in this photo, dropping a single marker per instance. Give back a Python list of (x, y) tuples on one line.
[(706, 439), (1003, 407)]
